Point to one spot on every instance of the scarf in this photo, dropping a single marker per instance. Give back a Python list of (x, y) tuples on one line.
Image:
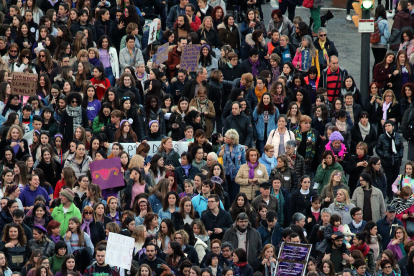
[(341, 205), (310, 144), (76, 114), (364, 248), (237, 268), (324, 52), (402, 205), (37, 221), (202, 107), (94, 61), (251, 169), (186, 169), (271, 161), (281, 203), (278, 99), (168, 157), (55, 239), (357, 225), (340, 125), (229, 64), (385, 107), (364, 130), (341, 151), (275, 73), (230, 166), (260, 93), (255, 72), (391, 139), (85, 226)]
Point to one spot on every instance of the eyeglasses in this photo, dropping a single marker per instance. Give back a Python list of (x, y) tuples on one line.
[(338, 174), (74, 101), (42, 56), (322, 35), (88, 213), (387, 267), (126, 98)]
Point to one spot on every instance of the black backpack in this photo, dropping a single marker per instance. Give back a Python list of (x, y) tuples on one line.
[(409, 132)]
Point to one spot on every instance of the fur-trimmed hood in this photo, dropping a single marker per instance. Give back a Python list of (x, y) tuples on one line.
[(249, 40), (222, 26), (175, 109)]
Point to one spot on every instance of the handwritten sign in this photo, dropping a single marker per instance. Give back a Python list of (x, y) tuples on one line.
[(119, 251), (162, 54), (152, 36), (107, 173), (292, 259), (24, 84), (189, 57), (131, 148)]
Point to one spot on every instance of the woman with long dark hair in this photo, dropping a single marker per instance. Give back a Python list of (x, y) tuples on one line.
[(109, 58), (229, 33), (242, 205)]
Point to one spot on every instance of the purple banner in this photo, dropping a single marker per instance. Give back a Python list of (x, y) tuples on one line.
[(294, 253), (107, 173), (293, 269)]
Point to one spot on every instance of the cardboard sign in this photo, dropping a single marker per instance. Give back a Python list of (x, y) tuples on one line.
[(131, 148), (152, 36), (292, 259), (189, 57), (162, 54), (24, 84), (119, 251), (107, 173)]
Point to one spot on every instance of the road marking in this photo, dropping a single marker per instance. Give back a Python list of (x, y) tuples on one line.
[(274, 5)]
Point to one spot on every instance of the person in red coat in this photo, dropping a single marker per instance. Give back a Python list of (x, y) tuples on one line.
[(195, 22), (174, 56), (100, 82)]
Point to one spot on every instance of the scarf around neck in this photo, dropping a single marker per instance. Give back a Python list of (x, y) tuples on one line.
[(341, 205), (271, 161), (357, 225), (86, 226), (260, 93), (186, 169), (364, 130), (251, 169), (401, 205), (340, 125), (391, 138), (254, 65), (385, 108), (364, 248), (76, 114)]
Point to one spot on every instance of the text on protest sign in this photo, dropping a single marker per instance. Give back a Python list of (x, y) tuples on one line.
[(24, 84), (162, 54), (189, 57), (131, 148), (119, 250), (292, 259)]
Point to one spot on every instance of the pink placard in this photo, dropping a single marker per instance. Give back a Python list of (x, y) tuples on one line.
[(107, 173)]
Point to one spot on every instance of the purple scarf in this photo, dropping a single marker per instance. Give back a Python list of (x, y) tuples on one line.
[(186, 169), (94, 61), (85, 225), (255, 72), (55, 239), (252, 167)]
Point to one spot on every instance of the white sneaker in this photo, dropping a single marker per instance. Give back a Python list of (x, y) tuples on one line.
[(348, 17)]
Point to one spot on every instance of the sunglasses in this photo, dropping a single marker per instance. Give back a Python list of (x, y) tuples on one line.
[(74, 101), (88, 213), (26, 57), (322, 35), (42, 56), (13, 51)]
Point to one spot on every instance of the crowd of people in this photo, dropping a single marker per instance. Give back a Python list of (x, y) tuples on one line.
[(282, 145)]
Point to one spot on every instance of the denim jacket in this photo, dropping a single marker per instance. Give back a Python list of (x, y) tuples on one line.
[(260, 124), (239, 153)]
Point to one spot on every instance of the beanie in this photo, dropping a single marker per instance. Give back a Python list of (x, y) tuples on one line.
[(335, 136), (68, 194)]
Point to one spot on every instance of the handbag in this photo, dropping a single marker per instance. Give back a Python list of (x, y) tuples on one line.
[(409, 227)]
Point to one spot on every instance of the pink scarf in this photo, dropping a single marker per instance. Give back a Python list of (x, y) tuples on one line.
[(341, 153)]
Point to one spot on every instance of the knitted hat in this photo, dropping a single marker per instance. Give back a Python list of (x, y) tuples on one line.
[(217, 180), (68, 194), (335, 136), (153, 121)]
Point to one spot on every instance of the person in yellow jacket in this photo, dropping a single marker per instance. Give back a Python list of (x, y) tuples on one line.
[(306, 56)]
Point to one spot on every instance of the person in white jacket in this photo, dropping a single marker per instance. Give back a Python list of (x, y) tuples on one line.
[(279, 136)]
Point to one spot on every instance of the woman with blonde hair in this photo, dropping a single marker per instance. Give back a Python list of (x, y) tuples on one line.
[(139, 235), (342, 206), (81, 42), (329, 191), (15, 139), (388, 110), (232, 151), (266, 262), (206, 29)]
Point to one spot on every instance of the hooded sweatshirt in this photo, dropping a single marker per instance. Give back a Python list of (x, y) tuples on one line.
[(27, 196)]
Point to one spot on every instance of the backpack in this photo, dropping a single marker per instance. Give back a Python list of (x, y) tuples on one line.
[(376, 35), (409, 132)]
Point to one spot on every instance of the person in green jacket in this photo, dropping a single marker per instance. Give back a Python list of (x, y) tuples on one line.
[(325, 169), (103, 118), (55, 262), (66, 210)]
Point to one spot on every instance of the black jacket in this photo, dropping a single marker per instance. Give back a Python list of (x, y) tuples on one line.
[(330, 50), (231, 74), (300, 203), (29, 221), (247, 67), (189, 89), (177, 85), (382, 150), (122, 90), (178, 220), (211, 36), (97, 232), (110, 130), (278, 51), (111, 28), (19, 153), (66, 124), (350, 167), (243, 125), (191, 254), (222, 220), (52, 174), (370, 139), (370, 108), (76, 27), (180, 175)]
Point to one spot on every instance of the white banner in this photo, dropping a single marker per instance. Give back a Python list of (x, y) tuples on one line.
[(131, 148), (119, 250)]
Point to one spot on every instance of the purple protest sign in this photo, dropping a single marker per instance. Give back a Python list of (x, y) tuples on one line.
[(294, 253), (293, 269), (107, 173)]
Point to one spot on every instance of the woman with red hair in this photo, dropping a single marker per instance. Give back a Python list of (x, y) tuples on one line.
[(170, 175), (218, 15)]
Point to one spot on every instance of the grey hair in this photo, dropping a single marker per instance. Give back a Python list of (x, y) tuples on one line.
[(213, 155), (291, 144), (322, 30), (311, 47), (326, 210), (141, 63), (200, 71), (227, 244), (297, 217), (243, 216)]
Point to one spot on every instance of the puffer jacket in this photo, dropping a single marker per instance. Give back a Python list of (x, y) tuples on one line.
[(209, 118), (242, 178), (260, 124), (273, 237), (274, 139), (288, 177), (253, 242), (250, 44), (383, 150), (45, 245), (242, 124), (229, 37), (287, 27), (300, 167), (200, 248)]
